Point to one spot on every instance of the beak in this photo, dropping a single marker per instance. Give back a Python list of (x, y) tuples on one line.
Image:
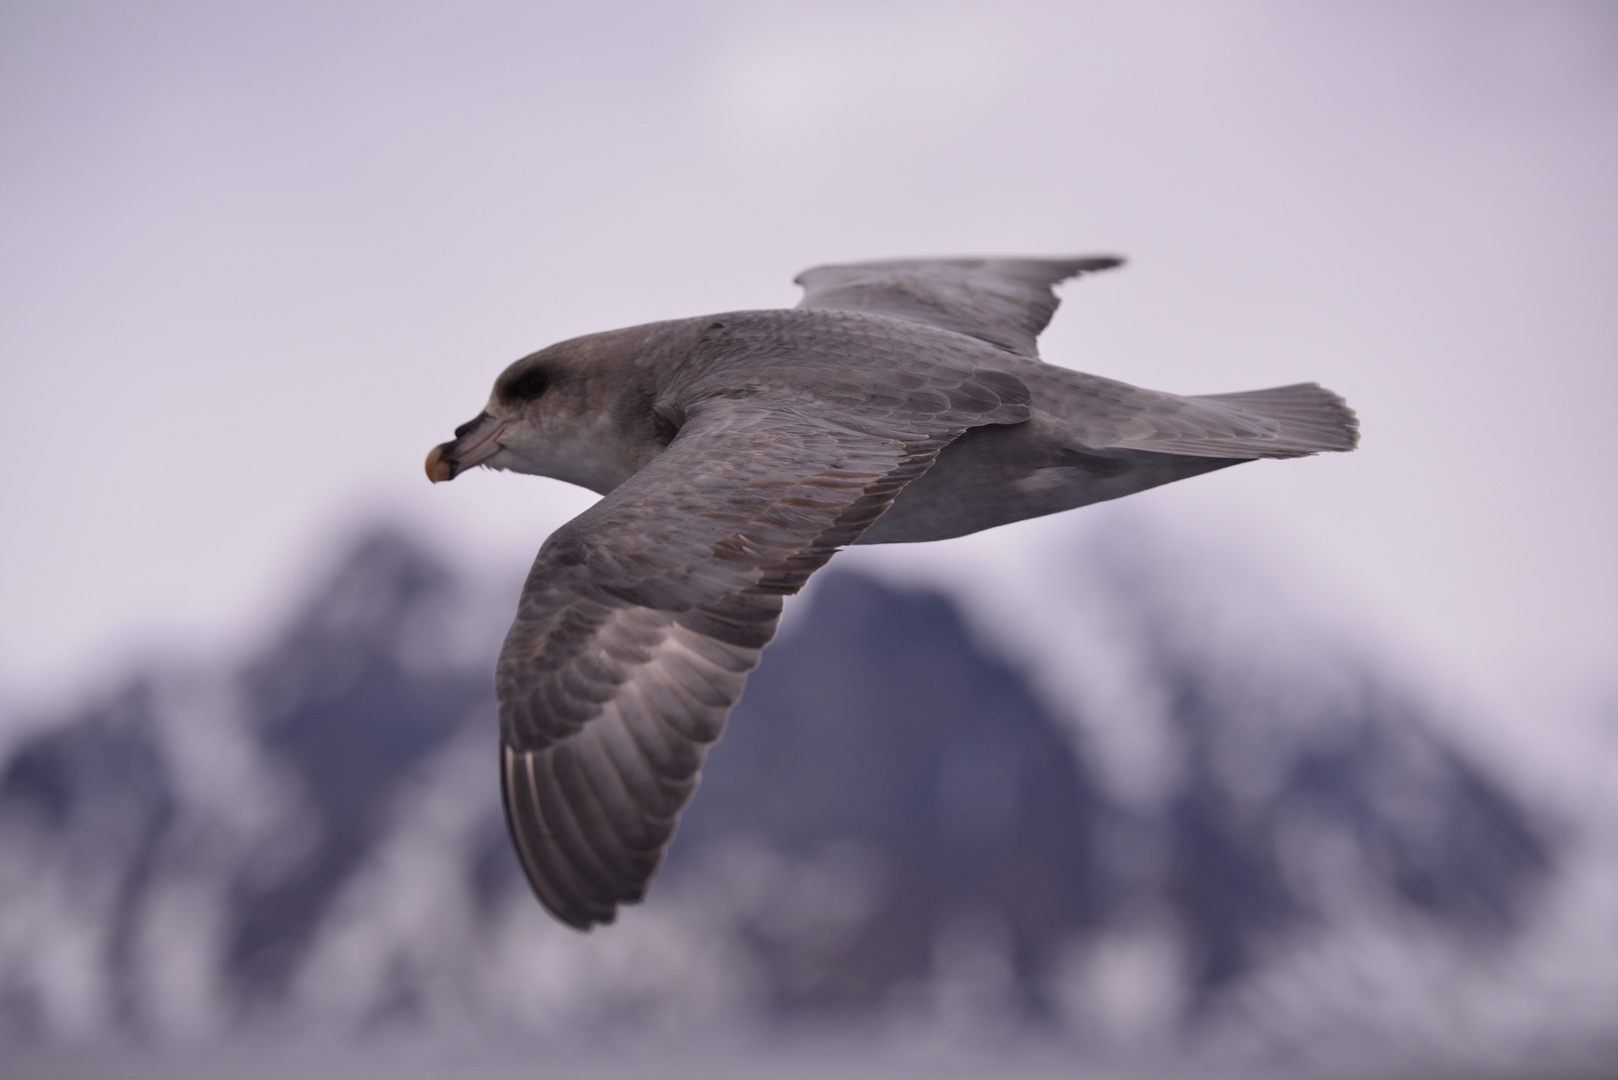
[(474, 442)]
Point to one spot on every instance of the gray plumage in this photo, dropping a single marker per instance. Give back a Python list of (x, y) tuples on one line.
[(900, 402)]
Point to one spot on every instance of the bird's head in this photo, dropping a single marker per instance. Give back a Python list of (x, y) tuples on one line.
[(574, 411)]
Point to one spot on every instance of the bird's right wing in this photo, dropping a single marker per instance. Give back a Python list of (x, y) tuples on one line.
[(642, 617), (1005, 302)]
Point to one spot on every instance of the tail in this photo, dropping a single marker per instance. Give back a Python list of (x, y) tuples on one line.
[(1305, 418)]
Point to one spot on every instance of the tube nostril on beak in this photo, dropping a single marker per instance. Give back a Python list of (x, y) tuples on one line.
[(460, 432)]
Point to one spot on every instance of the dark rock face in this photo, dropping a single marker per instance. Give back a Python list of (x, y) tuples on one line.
[(923, 792), (1421, 822), (1360, 792), (880, 725), (337, 702), (97, 796)]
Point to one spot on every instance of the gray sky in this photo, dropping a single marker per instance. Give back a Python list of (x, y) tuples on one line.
[(256, 259)]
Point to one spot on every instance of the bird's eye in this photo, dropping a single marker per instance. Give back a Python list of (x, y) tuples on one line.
[(529, 385)]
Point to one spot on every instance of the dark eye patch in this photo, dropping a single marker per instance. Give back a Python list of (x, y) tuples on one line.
[(529, 385)]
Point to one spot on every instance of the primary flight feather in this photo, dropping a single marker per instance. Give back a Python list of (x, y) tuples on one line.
[(899, 402)]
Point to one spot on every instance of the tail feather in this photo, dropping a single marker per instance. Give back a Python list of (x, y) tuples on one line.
[(1304, 418)]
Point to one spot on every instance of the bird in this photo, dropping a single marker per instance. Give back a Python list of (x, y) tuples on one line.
[(901, 401)]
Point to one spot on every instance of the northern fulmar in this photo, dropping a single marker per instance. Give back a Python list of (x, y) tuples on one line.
[(899, 402)]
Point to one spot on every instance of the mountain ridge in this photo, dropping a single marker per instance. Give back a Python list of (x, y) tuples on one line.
[(895, 821)]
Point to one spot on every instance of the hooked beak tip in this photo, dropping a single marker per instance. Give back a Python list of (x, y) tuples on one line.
[(437, 468), (475, 442)]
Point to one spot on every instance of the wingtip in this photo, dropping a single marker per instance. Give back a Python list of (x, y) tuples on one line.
[(570, 905), (579, 922), (1068, 267), (1089, 264)]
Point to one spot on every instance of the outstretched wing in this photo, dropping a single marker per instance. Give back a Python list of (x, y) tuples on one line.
[(1006, 302), (642, 617)]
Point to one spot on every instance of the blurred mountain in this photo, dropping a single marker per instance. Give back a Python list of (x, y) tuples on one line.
[(896, 828)]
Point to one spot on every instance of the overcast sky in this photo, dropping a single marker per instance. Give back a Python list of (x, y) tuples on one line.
[(255, 259)]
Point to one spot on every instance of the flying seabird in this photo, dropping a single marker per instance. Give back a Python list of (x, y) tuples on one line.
[(899, 402)]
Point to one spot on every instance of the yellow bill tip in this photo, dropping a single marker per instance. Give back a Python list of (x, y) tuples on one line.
[(437, 468)]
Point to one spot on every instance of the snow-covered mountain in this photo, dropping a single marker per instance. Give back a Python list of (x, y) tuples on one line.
[(901, 828)]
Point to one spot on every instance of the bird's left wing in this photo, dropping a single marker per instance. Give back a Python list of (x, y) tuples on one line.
[(642, 617)]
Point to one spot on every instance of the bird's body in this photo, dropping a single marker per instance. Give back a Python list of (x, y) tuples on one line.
[(901, 402)]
